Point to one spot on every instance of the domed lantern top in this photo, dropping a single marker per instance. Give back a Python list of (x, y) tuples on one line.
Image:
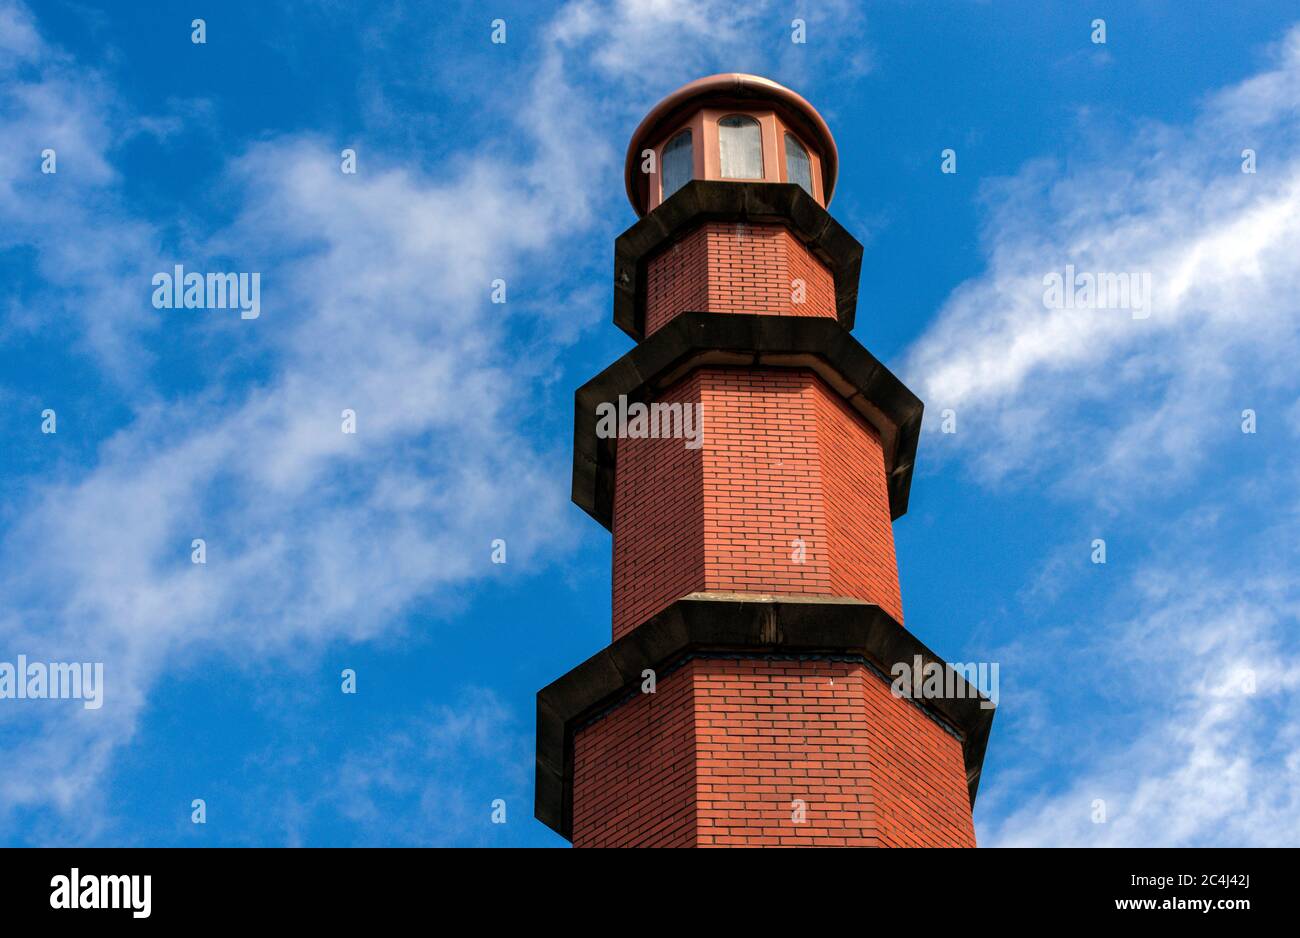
[(730, 127)]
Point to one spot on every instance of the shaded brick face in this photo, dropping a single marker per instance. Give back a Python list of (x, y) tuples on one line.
[(658, 535), (770, 752), (634, 772), (855, 494), (787, 495), (726, 268)]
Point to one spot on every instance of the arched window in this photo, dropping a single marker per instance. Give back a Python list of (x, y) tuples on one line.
[(740, 143), (798, 168), (677, 163)]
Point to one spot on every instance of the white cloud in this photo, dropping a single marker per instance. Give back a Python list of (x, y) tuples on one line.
[(375, 291), (1037, 386), (425, 784), (88, 248), (1133, 694), (19, 41), (374, 297), (660, 44), (1181, 717)]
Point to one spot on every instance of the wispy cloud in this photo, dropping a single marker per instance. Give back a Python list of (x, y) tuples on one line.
[(425, 783), (1165, 689), (89, 249), (1172, 710), (660, 44), (375, 292), (1034, 386), (375, 299)]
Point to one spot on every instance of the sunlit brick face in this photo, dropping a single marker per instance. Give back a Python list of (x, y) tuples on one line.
[(786, 495), (870, 769), (735, 751)]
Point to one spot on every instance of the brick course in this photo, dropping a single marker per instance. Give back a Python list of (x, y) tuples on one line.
[(784, 461), (634, 772), (720, 754), (728, 268), (658, 534)]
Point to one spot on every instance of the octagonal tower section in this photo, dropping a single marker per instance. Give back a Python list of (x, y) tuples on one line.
[(749, 457)]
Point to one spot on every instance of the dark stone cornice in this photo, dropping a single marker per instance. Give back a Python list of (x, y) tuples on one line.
[(695, 340), (745, 624), (704, 200)]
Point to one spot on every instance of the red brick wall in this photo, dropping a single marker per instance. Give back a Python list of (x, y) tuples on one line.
[(783, 459), (719, 754), (871, 769), (634, 771), (771, 732), (762, 482), (728, 268), (855, 493), (658, 534), (918, 774)]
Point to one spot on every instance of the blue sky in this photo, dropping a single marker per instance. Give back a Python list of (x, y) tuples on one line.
[(1163, 682)]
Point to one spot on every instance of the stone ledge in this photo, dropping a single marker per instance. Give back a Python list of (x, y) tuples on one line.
[(737, 622), (704, 200), (696, 340)]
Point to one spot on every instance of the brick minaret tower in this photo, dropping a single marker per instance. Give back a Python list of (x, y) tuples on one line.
[(746, 698)]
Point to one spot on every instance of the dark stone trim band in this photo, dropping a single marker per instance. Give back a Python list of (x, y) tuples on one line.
[(696, 340), (742, 623), (681, 662), (704, 200)]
